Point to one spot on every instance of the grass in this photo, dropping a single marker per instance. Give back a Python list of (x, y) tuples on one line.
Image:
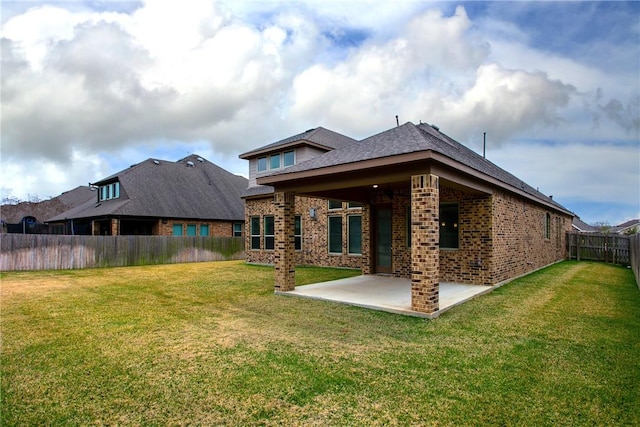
[(210, 344)]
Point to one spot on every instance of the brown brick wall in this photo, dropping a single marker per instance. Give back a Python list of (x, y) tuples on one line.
[(519, 238), (500, 236), (471, 262), (314, 233)]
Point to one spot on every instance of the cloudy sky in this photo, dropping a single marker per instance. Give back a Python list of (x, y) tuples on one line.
[(89, 88)]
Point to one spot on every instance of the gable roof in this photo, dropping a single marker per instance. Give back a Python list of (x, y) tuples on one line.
[(582, 226), (191, 188), (318, 137), (411, 139), (621, 228)]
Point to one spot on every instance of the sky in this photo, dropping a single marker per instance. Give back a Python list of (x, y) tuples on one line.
[(90, 88)]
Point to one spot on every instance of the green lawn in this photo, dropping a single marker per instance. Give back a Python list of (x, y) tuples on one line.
[(210, 344)]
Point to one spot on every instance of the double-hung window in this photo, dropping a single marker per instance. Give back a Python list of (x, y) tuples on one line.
[(354, 234), (237, 229), (449, 226), (269, 232), (255, 232), (335, 234)]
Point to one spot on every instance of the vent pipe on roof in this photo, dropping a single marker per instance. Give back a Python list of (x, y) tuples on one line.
[(397, 121), (484, 145)]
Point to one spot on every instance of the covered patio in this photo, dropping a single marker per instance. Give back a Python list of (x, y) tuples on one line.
[(385, 293)]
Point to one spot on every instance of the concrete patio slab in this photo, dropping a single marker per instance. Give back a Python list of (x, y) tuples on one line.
[(385, 293)]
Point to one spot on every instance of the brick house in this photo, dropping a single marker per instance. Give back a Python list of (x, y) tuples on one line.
[(409, 202), (191, 197)]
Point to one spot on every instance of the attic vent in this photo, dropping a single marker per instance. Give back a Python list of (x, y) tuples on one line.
[(310, 130), (200, 159), (190, 164), (155, 162), (435, 127)]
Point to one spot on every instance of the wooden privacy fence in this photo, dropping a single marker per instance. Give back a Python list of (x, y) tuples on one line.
[(610, 248), (54, 252)]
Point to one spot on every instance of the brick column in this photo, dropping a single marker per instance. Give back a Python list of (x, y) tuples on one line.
[(114, 226), (284, 255), (366, 239), (425, 238)]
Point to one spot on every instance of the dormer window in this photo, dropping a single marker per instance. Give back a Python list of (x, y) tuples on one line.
[(262, 164), (110, 191), (289, 158), (276, 161)]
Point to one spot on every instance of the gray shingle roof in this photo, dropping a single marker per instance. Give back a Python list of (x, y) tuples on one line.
[(158, 188), (410, 138), (319, 136)]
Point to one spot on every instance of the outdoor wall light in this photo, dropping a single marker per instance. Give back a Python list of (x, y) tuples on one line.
[(312, 213), (375, 185)]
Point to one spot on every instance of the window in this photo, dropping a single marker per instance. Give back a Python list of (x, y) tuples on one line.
[(547, 226), (298, 232), (354, 205), (255, 232), (289, 158), (449, 226), (335, 204), (262, 164), (204, 230), (191, 230), (269, 235), (177, 229), (237, 229), (354, 242), (335, 234), (274, 161), (110, 191)]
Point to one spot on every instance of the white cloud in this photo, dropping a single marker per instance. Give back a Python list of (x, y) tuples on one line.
[(87, 92)]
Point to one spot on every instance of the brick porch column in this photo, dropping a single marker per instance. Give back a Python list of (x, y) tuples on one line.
[(284, 256), (425, 241)]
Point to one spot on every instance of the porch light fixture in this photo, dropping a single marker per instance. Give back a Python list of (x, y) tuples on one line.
[(375, 185)]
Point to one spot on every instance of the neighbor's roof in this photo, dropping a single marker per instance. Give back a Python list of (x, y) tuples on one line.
[(626, 225), (191, 188), (319, 137), (582, 226), (410, 138)]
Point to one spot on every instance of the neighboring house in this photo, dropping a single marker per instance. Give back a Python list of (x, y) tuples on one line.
[(580, 226), (409, 202), (192, 197), (629, 227), (27, 217)]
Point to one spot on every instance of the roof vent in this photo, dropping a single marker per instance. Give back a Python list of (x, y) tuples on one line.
[(155, 162), (435, 127), (190, 164), (200, 159)]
